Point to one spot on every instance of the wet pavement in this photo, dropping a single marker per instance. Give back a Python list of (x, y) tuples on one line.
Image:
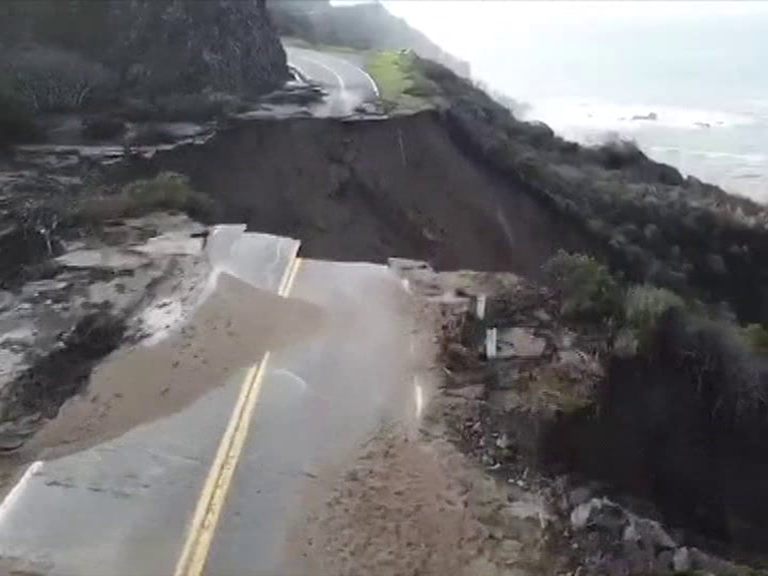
[(127, 506), (319, 400), (123, 507)]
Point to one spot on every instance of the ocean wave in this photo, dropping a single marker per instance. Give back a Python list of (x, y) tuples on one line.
[(607, 116), (742, 174), (756, 159)]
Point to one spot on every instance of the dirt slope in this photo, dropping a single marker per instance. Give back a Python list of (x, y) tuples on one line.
[(370, 190)]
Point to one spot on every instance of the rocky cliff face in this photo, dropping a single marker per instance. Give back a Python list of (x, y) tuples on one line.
[(226, 45), (158, 45)]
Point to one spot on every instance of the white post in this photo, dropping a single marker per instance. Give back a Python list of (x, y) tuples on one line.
[(480, 307), (490, 343)]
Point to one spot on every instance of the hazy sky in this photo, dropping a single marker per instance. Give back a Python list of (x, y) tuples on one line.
[(469, 28), (588, 66)]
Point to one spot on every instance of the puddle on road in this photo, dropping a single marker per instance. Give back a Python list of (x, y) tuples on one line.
[(229, 331)]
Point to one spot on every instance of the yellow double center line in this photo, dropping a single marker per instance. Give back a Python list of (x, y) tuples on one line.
[(214, 494)]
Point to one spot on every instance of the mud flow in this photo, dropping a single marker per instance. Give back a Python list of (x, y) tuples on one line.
[(227, 333)]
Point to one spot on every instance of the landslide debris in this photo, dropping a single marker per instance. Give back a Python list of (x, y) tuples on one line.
[(550, 416), (369, 190)]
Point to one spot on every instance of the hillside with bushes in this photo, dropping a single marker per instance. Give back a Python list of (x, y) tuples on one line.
[(644, 218)]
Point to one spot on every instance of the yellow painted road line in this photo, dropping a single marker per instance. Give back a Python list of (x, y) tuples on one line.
[(294, 269), (289, 271), (214, 493)]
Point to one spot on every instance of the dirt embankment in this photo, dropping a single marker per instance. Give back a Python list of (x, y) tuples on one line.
[(640, 472), (368, 191)]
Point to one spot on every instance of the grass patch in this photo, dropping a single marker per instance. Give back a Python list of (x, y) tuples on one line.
[(167, 192), (401, 86), (757, 336)]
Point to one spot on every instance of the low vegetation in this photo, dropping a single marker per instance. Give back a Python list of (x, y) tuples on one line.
[(644, 306), (589, 293), (167, 192), (401, 87), (757, 336), (588, 290), (644, 218), (54, 80)]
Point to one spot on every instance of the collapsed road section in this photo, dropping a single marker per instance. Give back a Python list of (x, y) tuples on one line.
[(137, 445), (210, 486)]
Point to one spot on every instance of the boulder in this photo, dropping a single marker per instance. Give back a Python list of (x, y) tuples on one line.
[(520, 343), (601, 514)]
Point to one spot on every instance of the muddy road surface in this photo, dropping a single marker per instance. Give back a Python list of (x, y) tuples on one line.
[(325, 353)]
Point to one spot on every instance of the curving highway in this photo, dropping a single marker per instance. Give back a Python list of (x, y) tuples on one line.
[(342, 75)]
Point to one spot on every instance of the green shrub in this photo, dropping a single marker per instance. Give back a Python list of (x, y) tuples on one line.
[(588, 289), (617, 154), (715, 357), (757, 336), (168, 191), (644, 305)]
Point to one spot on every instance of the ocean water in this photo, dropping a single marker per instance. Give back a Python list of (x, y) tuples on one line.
[(688, 81)]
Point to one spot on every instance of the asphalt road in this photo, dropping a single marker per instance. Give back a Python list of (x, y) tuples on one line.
[(342, 75), (123, 507), (144, 504), (319, 400)]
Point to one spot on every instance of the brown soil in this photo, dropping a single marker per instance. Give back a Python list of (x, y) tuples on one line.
[(417, 506), (369, 190), (396, 512), (142, 383)]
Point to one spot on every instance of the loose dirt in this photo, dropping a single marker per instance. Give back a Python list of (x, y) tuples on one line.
[(396, 512), (228, 332)]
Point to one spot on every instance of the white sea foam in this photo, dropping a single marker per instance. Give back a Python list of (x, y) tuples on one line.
[(608, 116)]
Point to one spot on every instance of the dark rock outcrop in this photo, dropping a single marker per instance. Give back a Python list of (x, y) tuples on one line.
[(158, 46)]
